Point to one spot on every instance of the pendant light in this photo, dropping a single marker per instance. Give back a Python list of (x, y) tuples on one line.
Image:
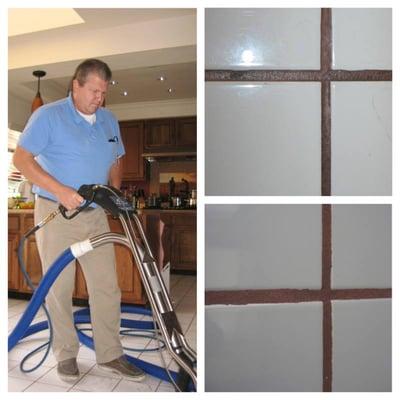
[(37, 101)]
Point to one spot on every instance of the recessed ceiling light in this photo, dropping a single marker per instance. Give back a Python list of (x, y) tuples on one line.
[(124, 93), (162, 78), (170, 90), (113, 83)]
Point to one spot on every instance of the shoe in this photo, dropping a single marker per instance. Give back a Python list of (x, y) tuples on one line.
[(67, 370), (124, 368)]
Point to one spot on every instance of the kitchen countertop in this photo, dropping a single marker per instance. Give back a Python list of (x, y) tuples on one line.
[(20, 210), (167, 211), (141, 211)]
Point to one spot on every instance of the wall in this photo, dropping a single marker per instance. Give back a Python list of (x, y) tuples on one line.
[(173, 166), (298, 298)]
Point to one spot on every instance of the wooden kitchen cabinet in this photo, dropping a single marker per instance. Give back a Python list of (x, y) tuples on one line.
[(183, 243), (186, 133), (20, 222), (127, 272), (179, 240), (133, 164), (170, 134), (13, 241), (31, 257), (159, 135)]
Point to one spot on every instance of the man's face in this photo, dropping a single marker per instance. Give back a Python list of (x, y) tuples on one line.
[(89, 97)]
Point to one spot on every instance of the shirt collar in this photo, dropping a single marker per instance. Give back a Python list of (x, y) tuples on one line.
[(78, 118)]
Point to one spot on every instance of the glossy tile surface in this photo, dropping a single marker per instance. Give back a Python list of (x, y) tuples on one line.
[(362, 346), (361, 241), (262, 139), (276, 347), (270, 38), (263, 246), (361, 138), (362, 38)]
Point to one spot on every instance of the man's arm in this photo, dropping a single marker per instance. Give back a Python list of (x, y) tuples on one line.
[(115, 175), (25, 162)]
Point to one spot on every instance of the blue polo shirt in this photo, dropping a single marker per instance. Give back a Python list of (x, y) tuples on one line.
[(69, 148)]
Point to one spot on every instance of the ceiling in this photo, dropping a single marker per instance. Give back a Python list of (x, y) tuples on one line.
[(139, 45)]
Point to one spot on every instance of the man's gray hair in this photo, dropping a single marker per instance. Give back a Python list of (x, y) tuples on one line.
[(91, 66)]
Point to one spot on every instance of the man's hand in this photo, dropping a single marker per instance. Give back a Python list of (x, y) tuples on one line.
[(69, 197)]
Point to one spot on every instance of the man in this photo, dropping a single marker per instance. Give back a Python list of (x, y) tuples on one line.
[(65, 144)]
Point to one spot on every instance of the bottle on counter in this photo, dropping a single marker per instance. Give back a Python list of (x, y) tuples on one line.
[(141, 201)]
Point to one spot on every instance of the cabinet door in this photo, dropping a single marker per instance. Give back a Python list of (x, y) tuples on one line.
[(13, 268), (128, 275), (185, 133), (183, 249), (80, 290), (133, 164), (159, 135)]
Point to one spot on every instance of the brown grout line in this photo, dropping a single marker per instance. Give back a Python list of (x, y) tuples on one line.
[(260, 296), (263, 75), (326, 246), (326, 40), (327, 346), (360, 294), (325, 138), (364, 75), (326, 65), (326, 113), (270, 75), (274, 296)]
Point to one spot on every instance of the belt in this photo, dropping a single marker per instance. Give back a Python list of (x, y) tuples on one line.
[(53, 201)]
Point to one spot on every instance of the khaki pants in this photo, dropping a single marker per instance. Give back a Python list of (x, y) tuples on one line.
[(98, 267)]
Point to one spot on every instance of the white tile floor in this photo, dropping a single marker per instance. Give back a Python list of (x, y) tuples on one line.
[(92, 379)]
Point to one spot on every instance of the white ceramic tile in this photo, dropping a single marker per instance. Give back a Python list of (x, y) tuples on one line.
[(361, 241), (262, 38), (96, 383), (362, 38), (130, 386), (165, 387), (42, 387), (362, 346), (262, 138), (52, 378), (263, 246), (12, 364), (17, 384), (274, 347), (18, 353), (361, 138), (150, 384), (31, 376)]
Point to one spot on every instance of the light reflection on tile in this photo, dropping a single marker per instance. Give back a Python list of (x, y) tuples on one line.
[(274, 38)]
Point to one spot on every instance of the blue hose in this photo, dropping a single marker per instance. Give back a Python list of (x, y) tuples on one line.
[(24, 329), (38, 297)]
